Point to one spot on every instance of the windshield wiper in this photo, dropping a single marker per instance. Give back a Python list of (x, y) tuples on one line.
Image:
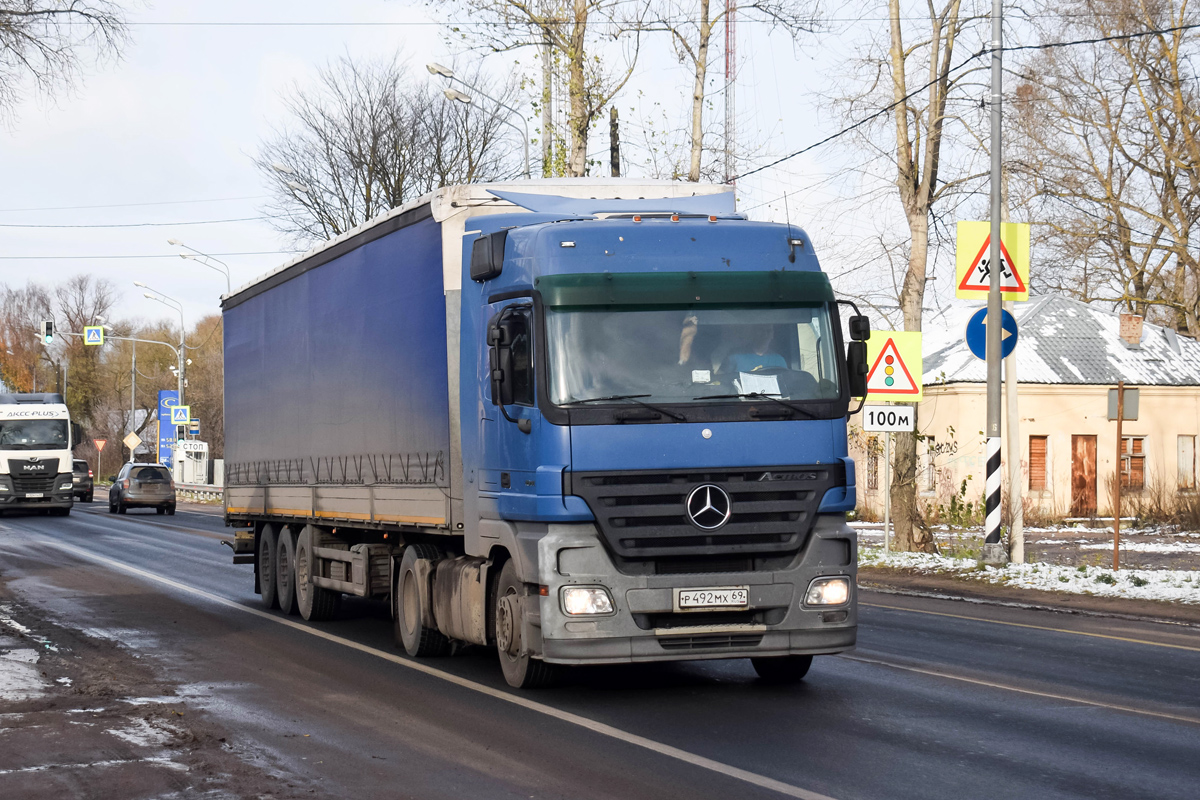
[(758, 396), (635, 398)]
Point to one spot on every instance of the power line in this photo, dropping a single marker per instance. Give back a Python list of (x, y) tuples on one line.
[(136, 205), (1046, 46), (141, 224), (168, 255)]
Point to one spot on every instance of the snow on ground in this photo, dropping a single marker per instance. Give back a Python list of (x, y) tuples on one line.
[(1145, 547), (20, 678), (1178, 586)]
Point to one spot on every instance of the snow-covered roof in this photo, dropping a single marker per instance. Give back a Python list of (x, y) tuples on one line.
[(1065, 341)]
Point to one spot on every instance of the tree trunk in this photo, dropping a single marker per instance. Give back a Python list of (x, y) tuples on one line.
[(698, 93), (911, 534), (576, 78)]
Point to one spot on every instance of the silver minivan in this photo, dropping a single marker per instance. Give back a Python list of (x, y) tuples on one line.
[(142, 486)]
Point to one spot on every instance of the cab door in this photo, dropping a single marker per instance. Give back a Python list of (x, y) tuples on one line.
[(510, 426)]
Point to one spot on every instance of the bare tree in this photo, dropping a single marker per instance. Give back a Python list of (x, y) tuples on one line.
[(21, 350), (45, 41), (368, 139), (1109, 143), (576, 30), (80, 301), (690, 24)]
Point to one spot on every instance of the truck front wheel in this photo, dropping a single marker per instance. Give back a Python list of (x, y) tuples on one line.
[(521, 670), (415, 628), (268, 541), (782, 669), (316, 603)]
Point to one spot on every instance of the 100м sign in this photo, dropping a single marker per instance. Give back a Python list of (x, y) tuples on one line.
[(888, 418)]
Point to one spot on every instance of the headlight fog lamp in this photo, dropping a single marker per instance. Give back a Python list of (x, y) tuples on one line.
[(828, 592), (586, 600)]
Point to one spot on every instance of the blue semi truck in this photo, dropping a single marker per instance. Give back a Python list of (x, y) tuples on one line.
[(582, 422)]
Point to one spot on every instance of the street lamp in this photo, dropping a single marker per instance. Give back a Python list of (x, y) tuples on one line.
[(453, 94), (170, 302), (205, 259)]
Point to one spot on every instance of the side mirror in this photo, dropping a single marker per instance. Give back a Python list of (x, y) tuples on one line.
[(500, 360), (856, 368), (487, 256), (860, 328)]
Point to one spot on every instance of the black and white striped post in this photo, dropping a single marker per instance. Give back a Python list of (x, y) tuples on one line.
[(993, 550)]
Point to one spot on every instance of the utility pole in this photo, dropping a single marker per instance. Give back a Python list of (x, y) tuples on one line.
[(730, 88), (614, 142), (133, 394), (1016, 478), (1117, 488), (993, 550), (547, 102)]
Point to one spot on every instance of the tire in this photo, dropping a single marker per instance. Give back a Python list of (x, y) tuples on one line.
[(171, 510), (411, 600), (160, 510), (268, 542), (87, 498), (121, 508), (782, 669), (521, 671), (112, 509), (316, 603), (285, 571)]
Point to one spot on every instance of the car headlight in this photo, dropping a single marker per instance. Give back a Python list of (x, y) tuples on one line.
[(583, 600), (828, 592)]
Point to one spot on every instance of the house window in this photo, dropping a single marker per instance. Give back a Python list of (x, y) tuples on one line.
[(1187, 463), (873, 463), (1133, 462), (930, 470), (1037, 463)]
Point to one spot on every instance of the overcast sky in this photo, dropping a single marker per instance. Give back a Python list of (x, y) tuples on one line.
[(166, 135)]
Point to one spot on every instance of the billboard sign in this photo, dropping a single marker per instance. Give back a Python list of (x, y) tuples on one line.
[(167, 400)]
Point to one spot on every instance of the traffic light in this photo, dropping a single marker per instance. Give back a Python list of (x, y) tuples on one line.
[(48, 332)]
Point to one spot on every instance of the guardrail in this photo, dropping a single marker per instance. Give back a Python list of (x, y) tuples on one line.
[(199, 491)]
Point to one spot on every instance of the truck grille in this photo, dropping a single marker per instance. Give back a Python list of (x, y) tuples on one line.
[(642, 515), (711, 641), (33, 483)]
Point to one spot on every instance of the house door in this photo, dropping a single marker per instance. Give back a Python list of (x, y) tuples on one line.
[(1083, 476)]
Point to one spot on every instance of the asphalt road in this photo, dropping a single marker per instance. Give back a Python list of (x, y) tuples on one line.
[(941, 699)]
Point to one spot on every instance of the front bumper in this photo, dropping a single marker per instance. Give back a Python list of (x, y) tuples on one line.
[(54, 497), (645, 626)]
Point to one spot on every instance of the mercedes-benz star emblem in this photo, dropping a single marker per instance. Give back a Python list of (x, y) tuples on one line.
[(708, 507)]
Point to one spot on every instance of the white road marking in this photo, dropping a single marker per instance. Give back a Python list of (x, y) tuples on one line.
[(1010, 688), (601, 728)]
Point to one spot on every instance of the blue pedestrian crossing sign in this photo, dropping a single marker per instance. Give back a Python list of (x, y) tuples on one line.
[(977, 333), (93, 335), (181, 415)]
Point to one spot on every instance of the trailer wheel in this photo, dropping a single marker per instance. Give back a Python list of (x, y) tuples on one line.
[(782, 669), (316, 603), (285, 570), (414, 627), (268, 543), (522, 671)]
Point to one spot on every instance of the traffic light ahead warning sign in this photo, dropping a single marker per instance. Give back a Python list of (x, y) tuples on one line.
[(973, 256), (895, 374)]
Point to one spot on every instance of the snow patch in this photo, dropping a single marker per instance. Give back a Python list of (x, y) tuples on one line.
[(142, 733), (1177, 586), (20, 678), (1145, 547)]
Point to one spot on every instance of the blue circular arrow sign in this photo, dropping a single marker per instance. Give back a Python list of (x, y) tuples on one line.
[(977, 333)]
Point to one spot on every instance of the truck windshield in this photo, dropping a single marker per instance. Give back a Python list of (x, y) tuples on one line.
[(33, 434), (691, 355)]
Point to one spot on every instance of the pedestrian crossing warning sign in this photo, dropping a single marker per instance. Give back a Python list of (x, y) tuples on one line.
[(973, 272), (93, 335), (895, 374)]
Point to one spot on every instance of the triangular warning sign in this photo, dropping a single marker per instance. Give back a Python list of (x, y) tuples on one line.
[(890, 375), (978, 275), (93, 336)]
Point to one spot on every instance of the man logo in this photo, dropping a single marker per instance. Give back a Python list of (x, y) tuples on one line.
[(708, 507)]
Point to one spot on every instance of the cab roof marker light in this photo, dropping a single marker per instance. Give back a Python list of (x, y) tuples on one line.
[(637, 217), (566, 244), (796, 242), (674, 218), (712, 217)]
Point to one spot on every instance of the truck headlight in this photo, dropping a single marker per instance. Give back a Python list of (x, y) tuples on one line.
[(65, 486), (828, 592), (584, 600)]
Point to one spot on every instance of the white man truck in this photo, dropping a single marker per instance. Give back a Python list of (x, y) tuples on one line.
[(35, 453)]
